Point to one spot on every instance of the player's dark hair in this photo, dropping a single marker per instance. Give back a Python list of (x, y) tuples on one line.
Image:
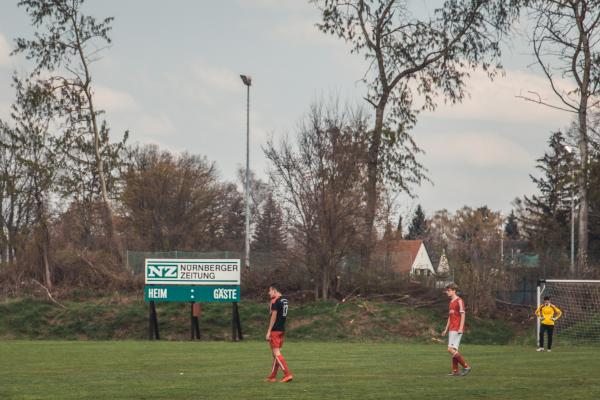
[(275, 286), (546, 298), (452, 286)]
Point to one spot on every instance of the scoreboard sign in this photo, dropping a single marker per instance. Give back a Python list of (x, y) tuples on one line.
[(203, 294), (187, 280), (192, 272)]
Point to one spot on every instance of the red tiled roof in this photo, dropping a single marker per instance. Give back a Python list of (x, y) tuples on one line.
[(403, 253)]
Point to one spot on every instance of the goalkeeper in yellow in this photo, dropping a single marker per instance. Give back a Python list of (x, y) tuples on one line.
[(548, 314)]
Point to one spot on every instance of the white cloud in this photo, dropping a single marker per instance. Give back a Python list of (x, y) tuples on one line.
[(204, 83), (497, 100), (288, 5), (304, 31), (215, 77), (4, 51), (474, 149), (154, 125), (113, 100)]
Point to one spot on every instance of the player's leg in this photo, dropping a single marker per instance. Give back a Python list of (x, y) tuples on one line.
[(274, 368), (456, 356), (550, 330), (541, 338), (453, 350), (278, 344), (274, 343), (454, 371)]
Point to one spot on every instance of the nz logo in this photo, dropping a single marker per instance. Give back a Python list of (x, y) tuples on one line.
[(161, 272)]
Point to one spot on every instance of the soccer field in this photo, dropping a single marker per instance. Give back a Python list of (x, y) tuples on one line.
[(222, 370)]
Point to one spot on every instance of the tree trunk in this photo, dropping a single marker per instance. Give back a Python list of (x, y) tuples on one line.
[(372, 176), (584, 87), (3, 237), (325, 283), (45, 245), (108, 213), (583, 236), (86, 86)]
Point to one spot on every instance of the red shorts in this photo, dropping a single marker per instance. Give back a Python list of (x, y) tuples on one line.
[(276, 339)]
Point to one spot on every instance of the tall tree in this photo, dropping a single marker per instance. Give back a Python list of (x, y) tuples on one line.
[(511, 229), (15, 203), (545, 217), (232, 213), (269, 236), (413, 58), (418, 225), (320, 179), (34, 153), (64, 47), (476, 252), (173, 202), (565, 41), (399, 227)]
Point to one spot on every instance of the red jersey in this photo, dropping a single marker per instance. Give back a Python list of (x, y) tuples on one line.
[(457, 307)]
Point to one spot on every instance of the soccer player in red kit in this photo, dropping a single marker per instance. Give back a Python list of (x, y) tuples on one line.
[(455, 328), (278, 310)]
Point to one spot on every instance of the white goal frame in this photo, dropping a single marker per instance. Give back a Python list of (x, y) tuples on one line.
[(541, 287)]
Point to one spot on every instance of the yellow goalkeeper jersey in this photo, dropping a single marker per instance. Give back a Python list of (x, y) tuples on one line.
[(548, 313)]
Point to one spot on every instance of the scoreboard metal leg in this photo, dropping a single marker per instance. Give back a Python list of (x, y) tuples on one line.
[(236, 325), (152, 322)]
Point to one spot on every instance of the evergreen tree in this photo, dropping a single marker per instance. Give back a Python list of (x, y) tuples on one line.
[(234, 221), (511, 230), (546, 216), (594, 196), (418, 226), (269, 236), (399, 228)]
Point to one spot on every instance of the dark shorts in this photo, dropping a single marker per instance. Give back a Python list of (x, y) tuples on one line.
[(276, 340)]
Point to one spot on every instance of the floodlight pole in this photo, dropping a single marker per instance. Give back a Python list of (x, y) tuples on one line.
[(248, 82)]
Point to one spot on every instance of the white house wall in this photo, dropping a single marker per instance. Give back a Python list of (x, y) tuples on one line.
[(422, 261)]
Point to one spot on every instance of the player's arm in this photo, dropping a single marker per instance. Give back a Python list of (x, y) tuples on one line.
[(271, 323), (463, 317), (537, 312), (446, 328), (557, 313)]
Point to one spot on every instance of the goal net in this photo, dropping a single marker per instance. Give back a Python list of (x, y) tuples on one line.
[(579, 301)]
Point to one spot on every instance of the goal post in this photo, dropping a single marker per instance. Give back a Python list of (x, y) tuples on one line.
[(579, 301)]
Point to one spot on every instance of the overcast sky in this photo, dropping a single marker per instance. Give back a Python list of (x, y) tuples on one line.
[(172, 78)]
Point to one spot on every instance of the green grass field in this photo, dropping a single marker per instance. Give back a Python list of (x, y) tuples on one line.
[(334, 370)]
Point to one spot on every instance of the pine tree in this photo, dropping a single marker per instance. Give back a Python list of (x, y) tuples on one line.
[(511, 230), (418, 226), (269, 236), (399, 228), (546, 216)]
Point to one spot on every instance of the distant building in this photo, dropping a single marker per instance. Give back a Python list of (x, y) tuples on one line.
[(410, 257), (443, 269)]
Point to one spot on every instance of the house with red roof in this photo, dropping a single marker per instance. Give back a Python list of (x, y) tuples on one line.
[(410, 257)]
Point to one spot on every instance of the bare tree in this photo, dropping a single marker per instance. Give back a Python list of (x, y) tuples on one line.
[(413, 61), (320, 181), (565, 42), (175, 202), (29, 181), (65, 45)]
